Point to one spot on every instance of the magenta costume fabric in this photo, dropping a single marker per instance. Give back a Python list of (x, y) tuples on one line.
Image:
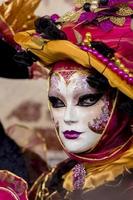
[(12, 187), (119, 38), (116, 139)]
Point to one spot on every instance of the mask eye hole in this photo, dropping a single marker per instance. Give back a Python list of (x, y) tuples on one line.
[(89, 99), (56, 102)]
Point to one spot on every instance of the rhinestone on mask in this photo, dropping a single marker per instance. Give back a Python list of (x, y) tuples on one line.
[(100, 122), (84, 84)]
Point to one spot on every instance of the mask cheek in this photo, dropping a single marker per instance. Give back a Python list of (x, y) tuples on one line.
[(53, 116), (57, 124), (99, 123), (56, 118)]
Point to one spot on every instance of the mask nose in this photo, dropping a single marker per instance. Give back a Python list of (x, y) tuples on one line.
[(70, 115)]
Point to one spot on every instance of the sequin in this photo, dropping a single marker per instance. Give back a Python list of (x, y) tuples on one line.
[(100, 122)]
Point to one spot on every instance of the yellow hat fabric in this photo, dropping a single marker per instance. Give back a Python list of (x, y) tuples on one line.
[(52, 51)]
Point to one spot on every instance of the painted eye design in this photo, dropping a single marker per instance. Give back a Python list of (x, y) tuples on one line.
[(89, 99), (56, 102)]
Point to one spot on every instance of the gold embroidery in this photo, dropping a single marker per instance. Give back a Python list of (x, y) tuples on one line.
[(100, 19), (82, 1), (118, 20), (70, 16), (124, 10)]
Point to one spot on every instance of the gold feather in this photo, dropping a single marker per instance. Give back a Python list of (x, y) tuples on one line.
[(82, 2), (19, 14), (70, 17), (78, 36)]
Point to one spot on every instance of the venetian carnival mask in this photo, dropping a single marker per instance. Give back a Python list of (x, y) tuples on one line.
[(80, 112), (87, 119)]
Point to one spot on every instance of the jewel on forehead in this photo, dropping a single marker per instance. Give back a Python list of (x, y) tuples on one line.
[(67, 68), (67, 75)]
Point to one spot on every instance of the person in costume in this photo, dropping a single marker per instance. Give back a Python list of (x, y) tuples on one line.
[(16, 173), (11, 156), (89, 54)]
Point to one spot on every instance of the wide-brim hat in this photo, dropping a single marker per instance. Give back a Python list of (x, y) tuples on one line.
[(118, 69)]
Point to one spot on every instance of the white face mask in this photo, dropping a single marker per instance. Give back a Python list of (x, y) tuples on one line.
[(76, 109)]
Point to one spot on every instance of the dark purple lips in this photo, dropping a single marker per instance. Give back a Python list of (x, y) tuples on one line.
[(71, 134)]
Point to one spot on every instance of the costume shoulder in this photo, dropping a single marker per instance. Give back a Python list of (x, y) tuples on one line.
[(50, 185)]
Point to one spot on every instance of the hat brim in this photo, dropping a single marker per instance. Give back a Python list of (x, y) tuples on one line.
[(50, 52)]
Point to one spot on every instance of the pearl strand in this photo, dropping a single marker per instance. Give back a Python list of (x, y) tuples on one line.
[(114, 64)]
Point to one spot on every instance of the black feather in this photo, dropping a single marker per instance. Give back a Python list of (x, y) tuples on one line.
[(103, 49), (98, 81), (48, 30), (8, 67), (125, 105), (25, 58)]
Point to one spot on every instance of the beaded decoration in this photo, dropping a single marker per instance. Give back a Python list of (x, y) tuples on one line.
[(114, 64), (79, 174)]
